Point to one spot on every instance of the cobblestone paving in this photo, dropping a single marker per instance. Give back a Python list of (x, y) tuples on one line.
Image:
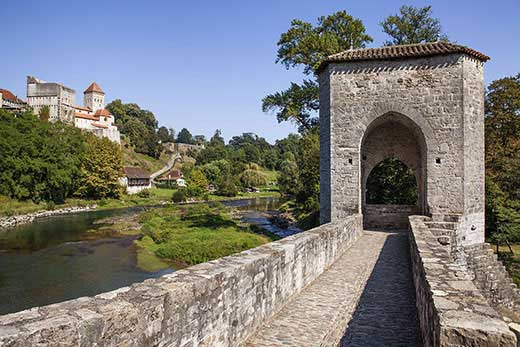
[(366, 298)]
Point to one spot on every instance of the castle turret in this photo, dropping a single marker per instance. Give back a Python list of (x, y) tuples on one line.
[(94, 97)]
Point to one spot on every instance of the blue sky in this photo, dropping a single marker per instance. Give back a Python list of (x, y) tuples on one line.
[(207, 64)]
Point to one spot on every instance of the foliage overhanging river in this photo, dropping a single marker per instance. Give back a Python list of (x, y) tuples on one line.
[(60, 258)]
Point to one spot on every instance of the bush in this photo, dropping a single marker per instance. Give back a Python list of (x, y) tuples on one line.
[(50, 206), (145, 193), (179, 196), (226, 187)]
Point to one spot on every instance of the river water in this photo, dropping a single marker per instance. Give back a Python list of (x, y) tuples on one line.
[(60, 258)]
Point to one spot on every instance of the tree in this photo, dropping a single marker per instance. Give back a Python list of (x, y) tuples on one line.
[(298, 104), (503, 159), (217, 139), (288, 179), (199, 139), (184, 136), (252, 176), (307, 46), (40, 161), (45, 113), (101, 168), (165, 135), (197, 183), (392, 182), (412, 25)]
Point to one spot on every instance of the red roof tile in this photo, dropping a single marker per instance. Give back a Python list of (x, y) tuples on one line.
[(6, 94), (103, 112), (94, 87), (86, 116), (402, 52)]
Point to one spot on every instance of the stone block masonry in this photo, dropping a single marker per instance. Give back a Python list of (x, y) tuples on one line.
[(215, 304), (452, 311)]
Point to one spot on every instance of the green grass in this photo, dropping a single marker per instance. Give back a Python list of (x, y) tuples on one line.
[(511, 261), (132, 158), (10, 207), (195, 234), (271, 175)]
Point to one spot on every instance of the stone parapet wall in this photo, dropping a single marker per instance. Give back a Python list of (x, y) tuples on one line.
[(219, 303), (452, 311), (387, 216)]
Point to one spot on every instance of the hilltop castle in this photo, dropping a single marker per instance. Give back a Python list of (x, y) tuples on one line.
[(61, 101)]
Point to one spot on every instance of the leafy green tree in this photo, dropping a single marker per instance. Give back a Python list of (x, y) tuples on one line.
[(199, 139), (101, 168), (164, 135), (45, 113), (184, 136), (252, 176), (197, 183), (306, 45), (217, 139), (503, 159), (391, 182), (39, 161), (413, 25), (298, 104), (211, 172), (226, 187), (288, 178)]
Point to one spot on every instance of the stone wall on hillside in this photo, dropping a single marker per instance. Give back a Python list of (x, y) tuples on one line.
[(215, 304)]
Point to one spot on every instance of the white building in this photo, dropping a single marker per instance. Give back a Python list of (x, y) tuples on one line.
[(135, 179), (94, 117), (61, 101), (57, 97)]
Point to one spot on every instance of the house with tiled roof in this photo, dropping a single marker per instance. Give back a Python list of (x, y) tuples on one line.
[(10, 101), (135, 179), (61, 100)]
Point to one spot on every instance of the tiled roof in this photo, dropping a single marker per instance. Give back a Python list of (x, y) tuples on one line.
[(171, 175), (86, 116), (135, 172), (97, 125), (82, 108), (103, 112), (402, 52), (6, 94), (94, 87)]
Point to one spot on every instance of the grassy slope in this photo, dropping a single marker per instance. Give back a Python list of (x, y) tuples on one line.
[(195, 234), (132, 158)]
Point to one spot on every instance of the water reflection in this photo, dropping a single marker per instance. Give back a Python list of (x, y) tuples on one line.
[(60, 258)]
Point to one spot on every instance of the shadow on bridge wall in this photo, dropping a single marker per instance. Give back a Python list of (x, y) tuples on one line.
[(386, 314)]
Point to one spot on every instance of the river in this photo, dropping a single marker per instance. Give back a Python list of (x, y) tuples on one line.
[(59, 258)]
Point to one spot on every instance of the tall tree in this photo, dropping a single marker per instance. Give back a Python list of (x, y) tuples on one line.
[(503, 158), (306, 45), (413, 25), (184, 136)]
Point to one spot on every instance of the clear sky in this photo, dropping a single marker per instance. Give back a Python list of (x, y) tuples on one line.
[(207, 64)]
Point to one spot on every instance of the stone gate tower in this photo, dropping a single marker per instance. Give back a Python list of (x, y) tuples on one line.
[(422, 104)]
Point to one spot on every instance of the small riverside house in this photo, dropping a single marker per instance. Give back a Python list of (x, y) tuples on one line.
[(135, 179)]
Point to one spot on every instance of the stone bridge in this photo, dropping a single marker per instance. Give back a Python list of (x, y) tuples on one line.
[(370, 275)]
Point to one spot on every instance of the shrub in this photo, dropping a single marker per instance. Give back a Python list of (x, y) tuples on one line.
[(50, 206), (145, 193), (179, 196), (226, 187)]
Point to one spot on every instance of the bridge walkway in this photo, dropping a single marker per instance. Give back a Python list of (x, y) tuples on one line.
[(366, 298)]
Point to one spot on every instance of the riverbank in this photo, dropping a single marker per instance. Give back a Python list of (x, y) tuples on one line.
[(13, 212)]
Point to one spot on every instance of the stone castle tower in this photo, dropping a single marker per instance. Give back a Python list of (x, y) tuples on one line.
[(94, 97)]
